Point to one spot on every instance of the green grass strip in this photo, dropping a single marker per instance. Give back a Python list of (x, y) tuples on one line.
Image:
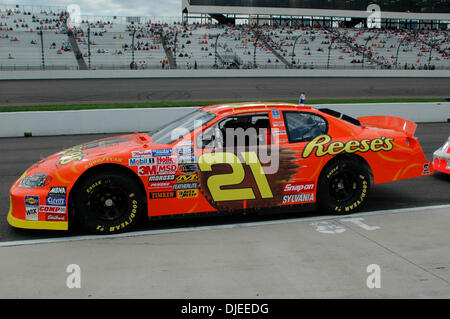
[(73, 107)]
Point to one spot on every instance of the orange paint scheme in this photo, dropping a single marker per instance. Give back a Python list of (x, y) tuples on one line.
[(404, 159)]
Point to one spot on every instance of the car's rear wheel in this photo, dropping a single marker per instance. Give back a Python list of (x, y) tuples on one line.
[(108, 202), (343, 186)]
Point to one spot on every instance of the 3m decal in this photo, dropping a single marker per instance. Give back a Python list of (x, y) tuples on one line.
[(188, 193), (321, 146), (296, 188), (169, 169), (162, 195)]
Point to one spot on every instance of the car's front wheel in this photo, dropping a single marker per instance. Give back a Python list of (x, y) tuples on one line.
[(108, 202), (343, 186)]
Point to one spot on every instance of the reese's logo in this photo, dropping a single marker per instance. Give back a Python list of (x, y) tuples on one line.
[(321, 146), (71, 155)]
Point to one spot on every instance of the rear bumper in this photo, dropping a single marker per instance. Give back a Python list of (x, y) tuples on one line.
[(441, 163)]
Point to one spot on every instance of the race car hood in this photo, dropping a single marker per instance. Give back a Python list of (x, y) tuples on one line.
[(110, 147)]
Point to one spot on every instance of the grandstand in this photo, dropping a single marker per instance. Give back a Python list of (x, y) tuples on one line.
[(38, 38)]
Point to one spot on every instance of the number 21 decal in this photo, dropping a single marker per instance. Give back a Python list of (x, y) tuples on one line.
[(237, 176)]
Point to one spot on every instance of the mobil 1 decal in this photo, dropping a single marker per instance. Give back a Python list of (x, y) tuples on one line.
[(241, 178)]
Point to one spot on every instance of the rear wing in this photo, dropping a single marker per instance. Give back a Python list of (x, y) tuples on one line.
[(391, 123)]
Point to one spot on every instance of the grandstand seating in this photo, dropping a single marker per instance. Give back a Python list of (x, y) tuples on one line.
[(193, 45)]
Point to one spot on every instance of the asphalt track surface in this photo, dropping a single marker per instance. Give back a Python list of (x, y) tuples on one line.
[(17, 154), (33, 92)]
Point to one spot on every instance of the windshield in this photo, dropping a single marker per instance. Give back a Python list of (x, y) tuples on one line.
[(173, 131)]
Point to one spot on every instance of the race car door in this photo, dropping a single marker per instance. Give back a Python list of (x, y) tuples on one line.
[(300, 128), (240, 166)]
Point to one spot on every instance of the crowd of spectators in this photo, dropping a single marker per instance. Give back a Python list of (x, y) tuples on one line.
[(192, 46)]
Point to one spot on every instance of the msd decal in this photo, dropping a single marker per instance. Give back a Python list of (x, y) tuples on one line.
[(296, 188)]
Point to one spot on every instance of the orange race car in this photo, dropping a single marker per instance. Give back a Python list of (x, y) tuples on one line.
[(219, 158)]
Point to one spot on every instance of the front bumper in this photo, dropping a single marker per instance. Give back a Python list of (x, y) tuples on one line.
[(16, 215)]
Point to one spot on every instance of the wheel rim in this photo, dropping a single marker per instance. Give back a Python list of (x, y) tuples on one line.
[(343, 186), (108, 203)]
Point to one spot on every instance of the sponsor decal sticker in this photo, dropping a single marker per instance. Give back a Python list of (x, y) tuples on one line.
[(56, 201), (141, 161), (167, 169), (426, 169), (31, 213), (52, 209), (146, 153), (184, 150), (55, 218), (187, 178), (161, 178), (298, 198), (275, 114), (296, 188), (278, 124), (188, 193), (31, 200), (187, 159), (160, 185), (322, 145), (57, 191), (162, 152), (185, 186), (166, 160), (187, 169), (162, 195), (276, 132)]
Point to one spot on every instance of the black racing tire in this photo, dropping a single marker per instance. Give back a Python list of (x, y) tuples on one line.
[(343, 186), (108, 202)]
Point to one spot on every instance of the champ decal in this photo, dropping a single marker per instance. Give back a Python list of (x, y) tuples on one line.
[(321, 146)]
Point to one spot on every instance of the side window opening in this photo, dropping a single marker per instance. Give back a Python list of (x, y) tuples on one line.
[(240, 130), (304, 126)]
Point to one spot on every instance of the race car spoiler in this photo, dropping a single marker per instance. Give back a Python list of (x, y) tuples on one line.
[(391, 123)]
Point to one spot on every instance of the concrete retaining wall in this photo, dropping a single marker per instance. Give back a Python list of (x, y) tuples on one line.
[(123, 74), (15, 124)]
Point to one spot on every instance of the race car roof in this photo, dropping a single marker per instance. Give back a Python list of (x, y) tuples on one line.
[(250, 106)]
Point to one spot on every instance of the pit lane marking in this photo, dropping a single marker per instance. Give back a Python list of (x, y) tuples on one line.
[(214, 227)]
